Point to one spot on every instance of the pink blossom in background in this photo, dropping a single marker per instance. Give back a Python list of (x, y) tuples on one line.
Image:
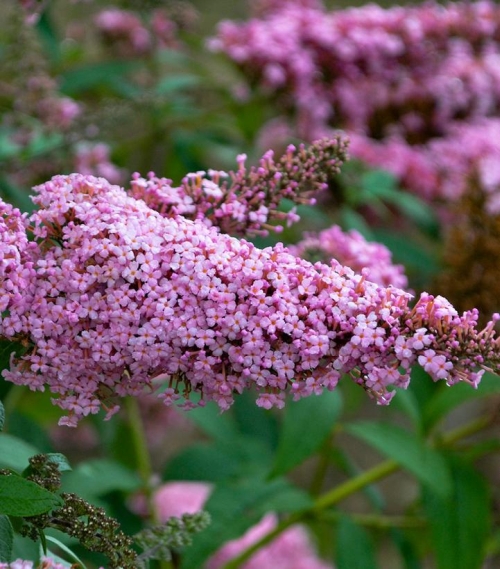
[(59, 112), (417, 88), (111, 294), (353, 63), (442, 168), (351, 249), (33, 9), (290, 550), (262, 7), (164, 29), (124, 31), (175, 499), (94, 159)]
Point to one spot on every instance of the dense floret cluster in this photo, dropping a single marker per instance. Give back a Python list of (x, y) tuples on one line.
[(417, 85), (350, 248), (111, 298)]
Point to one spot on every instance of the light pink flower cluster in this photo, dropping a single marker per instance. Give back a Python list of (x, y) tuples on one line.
[(262, 7), (58, 112), (290, 549), (94, 159), (360, 62), (245, 202), (415, 86), (111, 295), (350, 248), (129, 36), (442, 168), (33, 9)]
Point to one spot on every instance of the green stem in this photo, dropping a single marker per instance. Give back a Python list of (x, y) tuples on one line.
[(329, 499), (467, 430), (377, 521), (344, 490), (143, 460), (351, 486)]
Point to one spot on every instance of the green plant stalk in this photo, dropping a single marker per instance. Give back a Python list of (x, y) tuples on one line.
[(471, 428), (377, 521), (143, 460), (351, 486)]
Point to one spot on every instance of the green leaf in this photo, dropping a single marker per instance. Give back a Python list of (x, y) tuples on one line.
[(234, 508), (306, 425), (211, 421), (48, 34), (243, 456), (176, 82), (460, 524), (255, 421), (2, 416), (451, 397), (26, 427), (407, 549), (354, 547), (15, 453), (418, 256), (350, 219), (409, 450), (42, 143), (202, 462), (97, 75), (67, 550), (25, 548), (56, 458), (98, 477), (8, 148), (60, 460), (415, 209), (6, 539), (19, 198), (21, 497), (406, 401), (379, 182)]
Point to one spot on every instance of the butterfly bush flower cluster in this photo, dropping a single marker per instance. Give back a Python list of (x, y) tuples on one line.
[(245, 202), (442, 169), (292, 548), (350, 248), (128, 35), (111, 298), (418, 87)]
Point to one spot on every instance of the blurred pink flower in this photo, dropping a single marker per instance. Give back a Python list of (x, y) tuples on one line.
[(290, 550), (94, 159)]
